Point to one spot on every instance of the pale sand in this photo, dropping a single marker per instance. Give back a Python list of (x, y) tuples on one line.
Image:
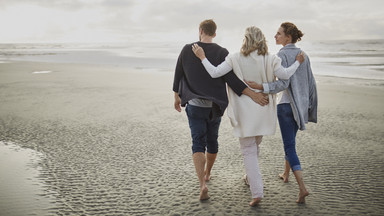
[(113, 145)]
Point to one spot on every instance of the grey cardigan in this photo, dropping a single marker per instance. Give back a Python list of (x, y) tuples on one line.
[(301, 87)]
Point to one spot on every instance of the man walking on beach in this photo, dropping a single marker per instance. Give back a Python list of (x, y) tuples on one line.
[(206, 98)]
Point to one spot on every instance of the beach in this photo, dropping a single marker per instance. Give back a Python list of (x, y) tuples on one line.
[(107, 141)]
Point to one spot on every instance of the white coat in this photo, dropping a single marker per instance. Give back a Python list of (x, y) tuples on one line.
[(247, 117)]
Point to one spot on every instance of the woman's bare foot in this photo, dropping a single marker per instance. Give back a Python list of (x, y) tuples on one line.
[(245, 179), (302, 196), (255, 201), (284, 177), (204, 193)]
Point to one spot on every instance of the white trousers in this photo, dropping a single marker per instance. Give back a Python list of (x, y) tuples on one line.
[(250, 149)]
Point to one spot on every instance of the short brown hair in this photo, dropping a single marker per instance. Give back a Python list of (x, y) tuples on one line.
[(209, 27), (292, 30)]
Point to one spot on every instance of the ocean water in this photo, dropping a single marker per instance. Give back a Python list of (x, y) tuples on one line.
[(353, 58), (363, 59)]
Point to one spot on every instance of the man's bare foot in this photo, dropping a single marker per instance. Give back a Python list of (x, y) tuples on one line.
[(204, 193), (302, 196), (284, 177), (255, 201), (207, 176)]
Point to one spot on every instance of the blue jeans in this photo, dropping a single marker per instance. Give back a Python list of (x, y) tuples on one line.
[(288, 128), (204, 131)]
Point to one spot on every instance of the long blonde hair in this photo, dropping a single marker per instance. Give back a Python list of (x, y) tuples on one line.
[(254, 40)]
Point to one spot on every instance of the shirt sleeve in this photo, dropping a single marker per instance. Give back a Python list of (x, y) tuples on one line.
[(234, 83), (276, 86), (266, 88), (283, 74), (286, 73), (179, 73), (218, 71)]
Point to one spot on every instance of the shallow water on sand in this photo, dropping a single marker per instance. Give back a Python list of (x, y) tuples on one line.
[(22, 190)]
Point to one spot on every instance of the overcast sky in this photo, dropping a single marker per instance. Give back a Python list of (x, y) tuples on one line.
[(178, 20)]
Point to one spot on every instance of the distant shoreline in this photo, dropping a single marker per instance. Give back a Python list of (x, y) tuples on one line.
[(346, 58)]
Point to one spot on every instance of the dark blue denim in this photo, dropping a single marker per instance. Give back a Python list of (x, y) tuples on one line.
[(288, 128), (204, 131)]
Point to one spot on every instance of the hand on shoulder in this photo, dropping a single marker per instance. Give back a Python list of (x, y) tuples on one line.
[(199, 52)]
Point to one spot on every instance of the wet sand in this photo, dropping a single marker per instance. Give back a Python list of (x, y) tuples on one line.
[(110, 143)]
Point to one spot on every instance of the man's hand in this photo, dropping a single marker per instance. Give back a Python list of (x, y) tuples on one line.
[(177, 103), (258, 97)]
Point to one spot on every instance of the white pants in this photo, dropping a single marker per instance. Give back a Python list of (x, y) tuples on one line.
[(250, 149)]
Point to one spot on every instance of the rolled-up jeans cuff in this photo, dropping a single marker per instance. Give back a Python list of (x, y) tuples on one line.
[(295, 168)]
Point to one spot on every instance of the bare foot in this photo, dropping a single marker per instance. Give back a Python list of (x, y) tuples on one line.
[(204, 193), (284, 177), (255, 201), (207, 176), (245, 178), (302, 196)]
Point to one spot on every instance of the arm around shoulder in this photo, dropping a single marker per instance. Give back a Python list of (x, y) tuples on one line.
[(218, 71)]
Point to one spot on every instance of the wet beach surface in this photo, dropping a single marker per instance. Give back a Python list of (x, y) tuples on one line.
[(111, 144)]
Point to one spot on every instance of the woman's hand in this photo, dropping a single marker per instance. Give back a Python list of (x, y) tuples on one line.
[(199, 52), (300, 57), (254, 85)]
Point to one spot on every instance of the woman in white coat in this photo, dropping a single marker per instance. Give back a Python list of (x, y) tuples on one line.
[(251, 121)]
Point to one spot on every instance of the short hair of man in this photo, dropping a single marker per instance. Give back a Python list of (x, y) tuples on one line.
[(209, 27)]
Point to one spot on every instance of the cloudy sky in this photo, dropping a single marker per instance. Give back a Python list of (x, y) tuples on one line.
[(178, 20)]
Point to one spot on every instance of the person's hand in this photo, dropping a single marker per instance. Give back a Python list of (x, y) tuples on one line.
[(260, 98), (199, 52), (300, 57), (177, 103), (254, 85)]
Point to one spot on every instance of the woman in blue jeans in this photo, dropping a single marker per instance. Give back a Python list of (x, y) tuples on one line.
[(298, 104)]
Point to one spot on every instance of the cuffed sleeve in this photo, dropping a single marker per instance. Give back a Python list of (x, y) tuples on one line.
[(265, 88)]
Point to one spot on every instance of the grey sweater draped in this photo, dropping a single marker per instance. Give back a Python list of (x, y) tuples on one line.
[(301, 87)]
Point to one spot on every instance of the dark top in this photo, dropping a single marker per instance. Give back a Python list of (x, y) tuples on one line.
[(193, 81)]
